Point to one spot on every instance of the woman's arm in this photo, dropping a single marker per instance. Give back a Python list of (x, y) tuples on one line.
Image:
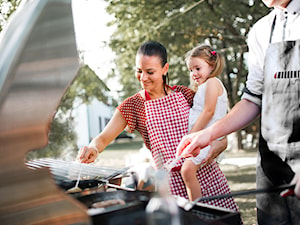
[(115, 126)]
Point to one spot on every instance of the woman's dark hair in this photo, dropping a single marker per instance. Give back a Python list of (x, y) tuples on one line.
[(154, 48)]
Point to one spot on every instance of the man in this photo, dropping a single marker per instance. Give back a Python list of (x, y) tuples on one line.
[(272, 91)]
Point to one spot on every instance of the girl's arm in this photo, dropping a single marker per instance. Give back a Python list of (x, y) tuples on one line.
[(115, 126), (213, 90)]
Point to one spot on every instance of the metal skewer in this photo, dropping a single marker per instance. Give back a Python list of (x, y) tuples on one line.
[(76, 188), (170, 164)]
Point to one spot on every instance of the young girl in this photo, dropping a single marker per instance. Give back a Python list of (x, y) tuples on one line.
[(210, 104)]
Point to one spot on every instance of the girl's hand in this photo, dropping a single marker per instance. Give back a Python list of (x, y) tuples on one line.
[(217, 147)]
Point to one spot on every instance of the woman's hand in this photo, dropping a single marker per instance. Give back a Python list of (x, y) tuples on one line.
[(87, 154), (115, 126)]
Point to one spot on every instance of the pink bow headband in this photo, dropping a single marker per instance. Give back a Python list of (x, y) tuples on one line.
[(213, 53)]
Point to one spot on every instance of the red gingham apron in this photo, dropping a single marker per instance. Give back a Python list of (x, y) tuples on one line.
[(167, 123)]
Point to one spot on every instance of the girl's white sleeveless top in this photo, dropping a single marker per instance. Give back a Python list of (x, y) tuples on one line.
[(198, 105)]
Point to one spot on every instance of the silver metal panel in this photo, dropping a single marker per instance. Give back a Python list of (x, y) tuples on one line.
[(38, 61)]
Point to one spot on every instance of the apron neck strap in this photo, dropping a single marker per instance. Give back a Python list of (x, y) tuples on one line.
[(272, 30), (147, 96)]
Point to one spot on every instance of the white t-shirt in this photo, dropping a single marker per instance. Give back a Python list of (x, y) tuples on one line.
[(287, 27)]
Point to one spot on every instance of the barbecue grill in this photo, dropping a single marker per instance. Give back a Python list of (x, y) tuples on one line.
[(134, 210), (38, 61), (131, 203)]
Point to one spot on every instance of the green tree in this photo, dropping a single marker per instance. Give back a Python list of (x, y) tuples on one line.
[(7, 7), (180, 25), (84, 88)]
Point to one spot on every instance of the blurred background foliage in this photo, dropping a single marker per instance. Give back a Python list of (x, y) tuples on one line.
[(62, 137), (179, 25), (7, 7)]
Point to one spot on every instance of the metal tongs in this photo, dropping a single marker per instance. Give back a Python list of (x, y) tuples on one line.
[(188, 205), (120, 172)]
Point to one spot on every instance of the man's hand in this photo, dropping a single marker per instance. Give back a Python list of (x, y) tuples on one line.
[(296, 191), (296, 181), (191, 144)]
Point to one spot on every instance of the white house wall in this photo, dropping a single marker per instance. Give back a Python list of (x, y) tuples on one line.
[(88, 119), (81, 127), (98, 111)]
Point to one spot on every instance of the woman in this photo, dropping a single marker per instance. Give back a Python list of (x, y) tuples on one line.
[(160, 113)]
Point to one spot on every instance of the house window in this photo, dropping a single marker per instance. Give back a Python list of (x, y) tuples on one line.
[(106, 121), (100, 124)]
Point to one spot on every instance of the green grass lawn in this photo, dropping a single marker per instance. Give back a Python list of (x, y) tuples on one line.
[(125, 144)]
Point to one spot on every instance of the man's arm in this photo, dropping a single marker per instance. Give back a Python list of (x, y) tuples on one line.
[(241, 115)]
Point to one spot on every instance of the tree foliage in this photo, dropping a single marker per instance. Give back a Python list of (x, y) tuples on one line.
[(180, 25), (7, 7), (82, 90), (62, 138)]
